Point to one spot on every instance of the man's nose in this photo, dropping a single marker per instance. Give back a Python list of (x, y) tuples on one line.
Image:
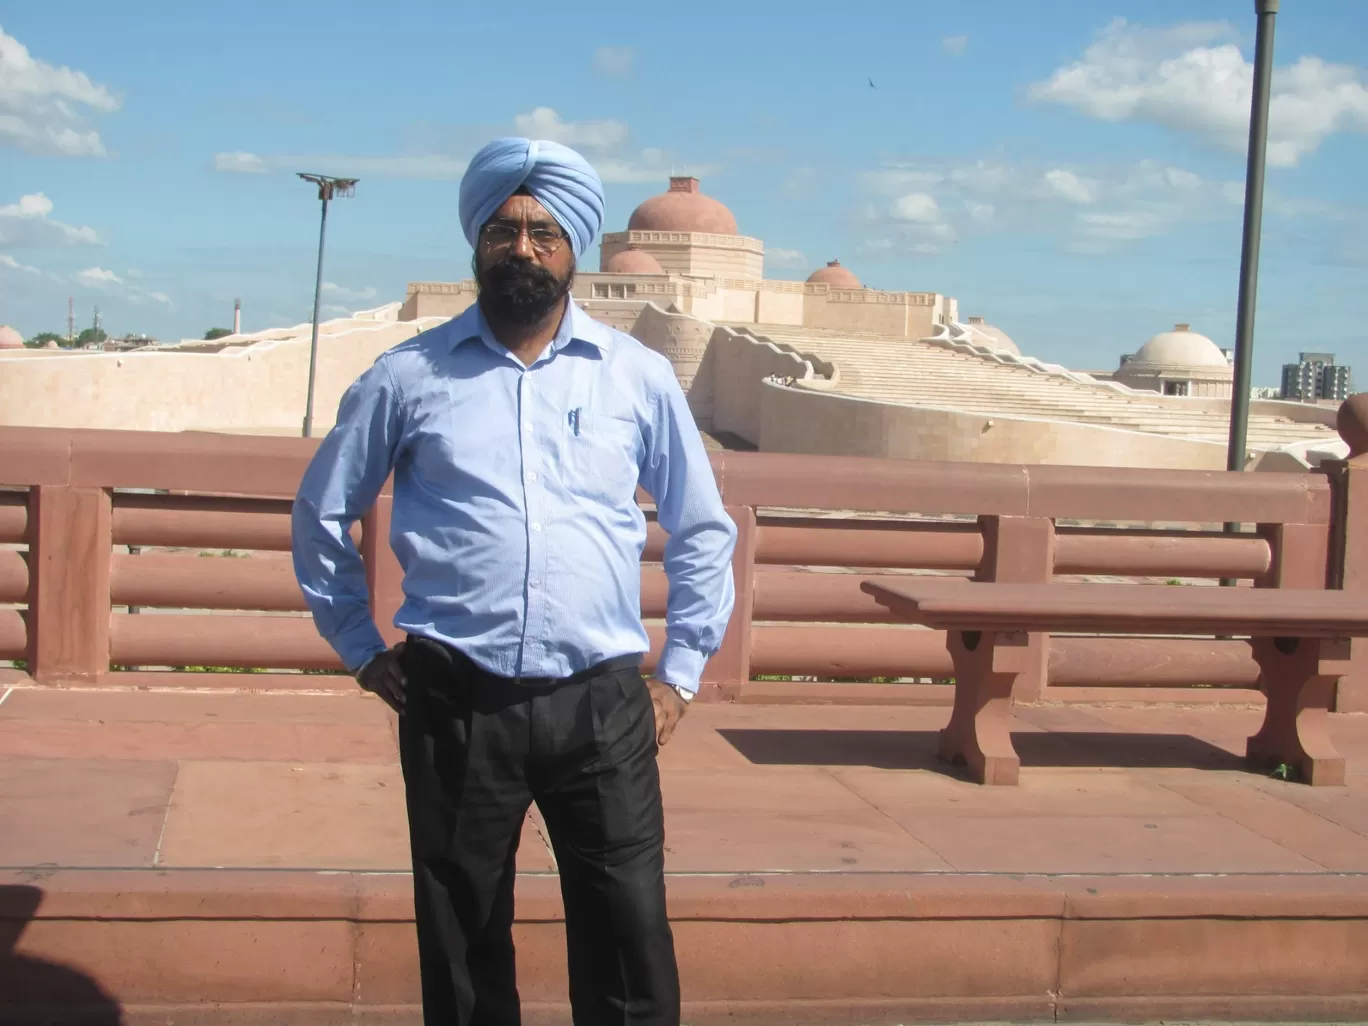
[(522, 244)]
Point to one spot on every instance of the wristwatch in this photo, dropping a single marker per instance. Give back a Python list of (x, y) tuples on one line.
[(682, 692)]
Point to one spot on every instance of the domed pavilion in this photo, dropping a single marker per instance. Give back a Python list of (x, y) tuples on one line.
[(834, 276), (1179, 362), (687, 233), (983, 333), (9, 338), (632, 261)]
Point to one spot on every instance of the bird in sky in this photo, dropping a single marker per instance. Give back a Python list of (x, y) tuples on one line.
[(872, 85)]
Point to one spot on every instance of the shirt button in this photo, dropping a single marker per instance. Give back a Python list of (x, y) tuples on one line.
[(536, 527), (527, 425), (531, 475), (532, 583)]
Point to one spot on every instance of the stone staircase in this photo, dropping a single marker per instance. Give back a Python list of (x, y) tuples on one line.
[(914, 373)]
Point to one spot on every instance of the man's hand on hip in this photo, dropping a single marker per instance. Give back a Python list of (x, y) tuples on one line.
[(669, 708), (385, 676)]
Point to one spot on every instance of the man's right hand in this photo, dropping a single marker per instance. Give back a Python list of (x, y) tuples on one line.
[(385, 676)]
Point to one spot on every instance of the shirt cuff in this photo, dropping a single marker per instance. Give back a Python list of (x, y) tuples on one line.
[(680, 666), (358, 646)]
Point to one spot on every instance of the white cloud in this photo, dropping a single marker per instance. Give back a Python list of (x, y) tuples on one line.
[(1126, 225), (919, 207), (1192, 77), (615, 61), (33, 205), (14, 265), (434, 166), (27, 223), (954, 45), (41, 106), (345, 294), (105, 280), (1094, 209), (616, 171), (98, 277), (1069, 186), (982, 213), (545, 123), (778, 257), (604, 141), (240, 163)]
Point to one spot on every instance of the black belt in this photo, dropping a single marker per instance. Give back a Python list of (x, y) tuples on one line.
[(459, 660)]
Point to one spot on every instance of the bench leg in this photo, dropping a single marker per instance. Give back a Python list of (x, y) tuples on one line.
[(1298, 678), (979, 734)]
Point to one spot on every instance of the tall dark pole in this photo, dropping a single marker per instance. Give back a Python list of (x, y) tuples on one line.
[(313, 341), (1237, 451), (1267, 10), (328, 188)]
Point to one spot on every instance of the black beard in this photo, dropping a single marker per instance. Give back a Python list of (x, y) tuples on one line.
[(518, 292)]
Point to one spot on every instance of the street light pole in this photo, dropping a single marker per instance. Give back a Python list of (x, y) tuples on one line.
[(328, 188), (1236, 453)]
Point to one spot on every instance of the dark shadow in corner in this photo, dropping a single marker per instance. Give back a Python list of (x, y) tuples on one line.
[(916, 749), (35, 991)]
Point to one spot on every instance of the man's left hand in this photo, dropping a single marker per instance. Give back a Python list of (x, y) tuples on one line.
[(669, 708)]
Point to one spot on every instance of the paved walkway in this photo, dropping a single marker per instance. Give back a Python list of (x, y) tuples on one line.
[(311, 781), (125, 779), (250, 850)]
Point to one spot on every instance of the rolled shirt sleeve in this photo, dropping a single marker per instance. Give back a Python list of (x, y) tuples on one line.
[(679, 476), (341, 483)]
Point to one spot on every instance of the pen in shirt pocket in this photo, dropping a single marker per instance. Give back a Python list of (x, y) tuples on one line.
[(575, 420)]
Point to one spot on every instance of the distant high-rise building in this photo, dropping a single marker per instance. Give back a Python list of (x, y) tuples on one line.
[(1314, 377)]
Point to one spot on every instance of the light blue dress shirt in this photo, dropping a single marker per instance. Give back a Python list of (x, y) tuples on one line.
[(515, 518)]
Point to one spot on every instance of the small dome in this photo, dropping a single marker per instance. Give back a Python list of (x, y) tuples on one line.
[(51, 344), (994, 336), (682, 209), (9, 338), (1181, 347), (632, 261), (836, 276)]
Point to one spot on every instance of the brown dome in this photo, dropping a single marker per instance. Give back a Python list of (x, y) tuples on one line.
[(682, 209), (836, 276), (632, 261), (9, 338)]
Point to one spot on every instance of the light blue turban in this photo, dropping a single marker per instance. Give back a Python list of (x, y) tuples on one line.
[(558, 178)]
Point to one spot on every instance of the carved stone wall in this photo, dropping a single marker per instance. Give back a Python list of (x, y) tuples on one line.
[(681, 339)]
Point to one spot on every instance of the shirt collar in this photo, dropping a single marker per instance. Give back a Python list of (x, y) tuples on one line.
[(576, 326)]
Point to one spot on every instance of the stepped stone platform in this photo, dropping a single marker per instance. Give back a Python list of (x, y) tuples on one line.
[(926, 373), (236, 857)]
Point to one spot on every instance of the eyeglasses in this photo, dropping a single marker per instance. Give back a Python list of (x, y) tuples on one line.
[(498, 235)]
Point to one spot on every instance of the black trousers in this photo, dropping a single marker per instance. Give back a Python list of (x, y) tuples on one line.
[(476, 751)]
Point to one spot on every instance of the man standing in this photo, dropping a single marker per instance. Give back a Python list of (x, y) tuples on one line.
[(517, 434)]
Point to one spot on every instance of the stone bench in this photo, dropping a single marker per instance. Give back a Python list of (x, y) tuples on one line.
[(1300, 640)]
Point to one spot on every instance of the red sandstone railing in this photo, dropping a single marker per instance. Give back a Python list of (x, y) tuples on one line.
[(117, 525)]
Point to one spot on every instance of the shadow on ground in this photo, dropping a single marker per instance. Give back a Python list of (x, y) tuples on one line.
[(34, 990), (916, 749)]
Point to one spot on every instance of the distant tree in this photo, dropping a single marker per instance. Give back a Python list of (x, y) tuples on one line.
[(43, 338), (90, 335), (214, 333)]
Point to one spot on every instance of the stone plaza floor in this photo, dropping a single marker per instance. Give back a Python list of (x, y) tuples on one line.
[(198, 851)]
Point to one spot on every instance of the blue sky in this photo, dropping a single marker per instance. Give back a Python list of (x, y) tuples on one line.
[(1073, 171)]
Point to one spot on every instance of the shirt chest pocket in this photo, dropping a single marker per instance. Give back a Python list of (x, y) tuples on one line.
[(602, 457)]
